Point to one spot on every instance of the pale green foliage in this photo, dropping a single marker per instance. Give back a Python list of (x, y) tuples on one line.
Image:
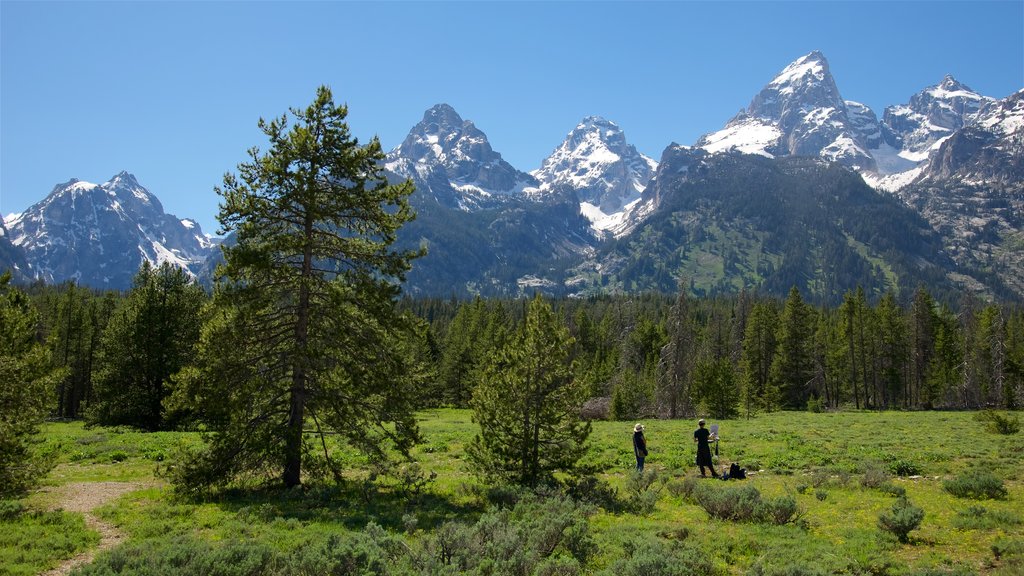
[(527, 404), (304, 334)]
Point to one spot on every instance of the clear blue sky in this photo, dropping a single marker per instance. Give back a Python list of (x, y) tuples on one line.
[(172, 91)]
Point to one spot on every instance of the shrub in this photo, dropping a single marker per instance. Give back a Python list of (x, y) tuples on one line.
[(592, 490), (652, 557), (874, 476), (999, 423), (901, 519), (979, 486), (644, 490), (900, 467), (779, 511), (821, 495), (684, 488), (11, 509), (520, 540), (1004, 547), (815, 405), (981, 518), (894, 489), (744, 504), (182, 555), (737, 504)]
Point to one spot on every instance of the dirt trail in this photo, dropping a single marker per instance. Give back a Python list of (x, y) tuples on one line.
[(84, 497)]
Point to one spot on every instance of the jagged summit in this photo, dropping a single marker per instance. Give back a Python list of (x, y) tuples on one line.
[(800, 113), (452, 158), (598, 165)]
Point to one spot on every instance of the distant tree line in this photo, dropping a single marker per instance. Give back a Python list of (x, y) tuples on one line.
[(652, 355), (645, 353)]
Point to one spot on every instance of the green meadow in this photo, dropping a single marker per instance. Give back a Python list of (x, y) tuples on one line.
[(842, 469)]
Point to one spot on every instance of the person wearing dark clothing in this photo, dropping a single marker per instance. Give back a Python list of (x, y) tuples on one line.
[(701, 436), (639, 446)]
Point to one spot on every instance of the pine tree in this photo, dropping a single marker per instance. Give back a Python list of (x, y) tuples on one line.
[(527, 404), (148, 340), (759, 345), (27, 380), (305, 334), (923, 347), (793, 366)]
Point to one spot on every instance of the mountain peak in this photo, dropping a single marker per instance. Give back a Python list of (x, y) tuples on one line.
[(597, 164), (123, 178), (811, 68), (441, 118)]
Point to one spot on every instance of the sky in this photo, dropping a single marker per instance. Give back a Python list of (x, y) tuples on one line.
[(172, 91)]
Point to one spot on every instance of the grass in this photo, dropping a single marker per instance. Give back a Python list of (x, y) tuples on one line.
[(32, 540), (792, 454)]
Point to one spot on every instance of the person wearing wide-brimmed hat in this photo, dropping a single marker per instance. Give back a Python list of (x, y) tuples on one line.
[(701, 436), (639, 446)]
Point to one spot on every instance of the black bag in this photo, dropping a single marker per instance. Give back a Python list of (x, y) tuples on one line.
[(736, 472)]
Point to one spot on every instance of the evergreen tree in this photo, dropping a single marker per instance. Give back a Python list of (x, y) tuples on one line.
[(945, 372), (149, 339), (923, 347), (27, 380), (527, 404), (305, 332), (892, 358), (793, 366), (78, 320), (759, 345)]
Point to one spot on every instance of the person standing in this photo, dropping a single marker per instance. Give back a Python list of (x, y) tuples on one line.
[(639, 446), (701, 436)]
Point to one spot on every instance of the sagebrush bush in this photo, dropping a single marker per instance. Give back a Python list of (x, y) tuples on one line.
[(684, 488), (744, 504), (894, 489), (903, 518), (981, 518), (592, 490), (651, 557), (980, 485), (874, 475), (644, 490)]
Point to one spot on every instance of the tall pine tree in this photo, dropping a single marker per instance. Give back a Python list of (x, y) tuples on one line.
[(305, 334)]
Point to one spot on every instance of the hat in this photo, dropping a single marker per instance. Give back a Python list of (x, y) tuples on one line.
[(701, 421), (638, 428)]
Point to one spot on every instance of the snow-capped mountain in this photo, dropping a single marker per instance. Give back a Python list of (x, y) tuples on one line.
[(595, 163), (988, 149), (801, 113), (452, 159), (99, 234), (931, 116), (913, 131)]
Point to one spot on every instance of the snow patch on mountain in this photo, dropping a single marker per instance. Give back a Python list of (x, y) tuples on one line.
[(747, 135)]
